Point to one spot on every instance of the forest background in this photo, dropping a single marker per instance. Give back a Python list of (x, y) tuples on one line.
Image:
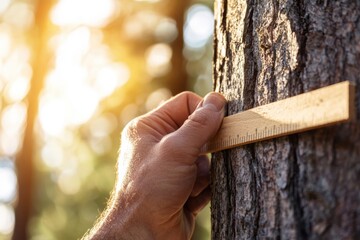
[(72, 74)]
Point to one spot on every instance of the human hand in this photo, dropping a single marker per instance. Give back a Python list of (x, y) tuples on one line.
[(163, 181)]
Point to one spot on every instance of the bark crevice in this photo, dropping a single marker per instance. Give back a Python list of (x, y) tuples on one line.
[(295, 192), (250, 67), (305, 186), (255, 191)]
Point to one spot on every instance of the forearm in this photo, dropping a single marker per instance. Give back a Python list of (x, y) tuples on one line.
[(119, 223), (109, 230)]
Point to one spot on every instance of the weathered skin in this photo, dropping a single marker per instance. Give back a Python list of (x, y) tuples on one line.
[(304, 186)]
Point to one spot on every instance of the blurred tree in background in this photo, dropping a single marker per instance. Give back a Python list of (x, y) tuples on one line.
[(72, 74)]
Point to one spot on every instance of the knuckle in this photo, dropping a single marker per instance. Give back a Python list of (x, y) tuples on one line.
[(168, 143), (134, 128), (170, 146), (199, 118), (188, 94)]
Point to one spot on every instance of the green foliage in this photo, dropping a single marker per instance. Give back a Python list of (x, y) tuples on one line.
[(75, 167)]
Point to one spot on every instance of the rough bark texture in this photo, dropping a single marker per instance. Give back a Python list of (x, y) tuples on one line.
[(304, 186)]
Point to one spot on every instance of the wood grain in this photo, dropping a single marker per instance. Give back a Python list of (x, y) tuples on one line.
[(315, 109)]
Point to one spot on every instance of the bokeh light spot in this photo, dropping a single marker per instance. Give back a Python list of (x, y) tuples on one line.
[(7, 219), (103, 125), (13, 119), (52, 155), (110, 77), (157, 97), (142, 25), (128, 113), (69, 182), (166, 30), (52, 115), (4, 5), (82, 102), (15, 63), (158, 59), (20, 14), (100, 130), (8, 182), (199, 26), (5, 42), (17, 89), (72, 47), (101, 145), (151, 1), (83, 12), (9, 144)]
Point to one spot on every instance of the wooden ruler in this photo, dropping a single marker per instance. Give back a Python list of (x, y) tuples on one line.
[(315, 109)]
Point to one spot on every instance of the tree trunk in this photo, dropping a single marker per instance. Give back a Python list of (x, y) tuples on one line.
[(304, 186), (25, 158), (179, 77)]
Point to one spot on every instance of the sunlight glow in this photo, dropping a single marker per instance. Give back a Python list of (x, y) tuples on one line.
[(5, 41), (142, 24), (101, 145), (52, 116), (13, 118), (81, 102), (128, 113), (8, 184), (74, 107), (4, 5), (18, 88), (158, 59), (102, 63), (103, 125), (15, 63), (203, 84), (83, 75), (52, 155), (69, 182), (199, 26), (9, 145), (7, 219), (72, 47), (110, 77), (12, 125), (166, 30), (152, 1), (83, 12), (157, 97), (20, 14)]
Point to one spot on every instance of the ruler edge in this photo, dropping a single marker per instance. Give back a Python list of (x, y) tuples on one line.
[(351, 93)]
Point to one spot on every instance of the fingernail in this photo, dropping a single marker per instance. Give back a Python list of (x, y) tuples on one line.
[(214, 101)]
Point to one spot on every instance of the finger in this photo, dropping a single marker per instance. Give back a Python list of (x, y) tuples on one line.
[(203, 175), (201, 125), (196, 204), (176, 110)]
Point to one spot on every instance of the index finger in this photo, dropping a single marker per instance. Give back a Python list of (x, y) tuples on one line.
[(176, 110)]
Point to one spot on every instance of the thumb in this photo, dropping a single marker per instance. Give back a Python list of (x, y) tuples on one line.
[(202, 124)]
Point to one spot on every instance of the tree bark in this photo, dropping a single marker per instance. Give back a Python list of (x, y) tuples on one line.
[(303, 186)]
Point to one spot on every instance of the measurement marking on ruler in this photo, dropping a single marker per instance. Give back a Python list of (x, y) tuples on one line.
[(318, 108)]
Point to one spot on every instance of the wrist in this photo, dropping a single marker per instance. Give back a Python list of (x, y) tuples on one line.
[(123, 220)]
